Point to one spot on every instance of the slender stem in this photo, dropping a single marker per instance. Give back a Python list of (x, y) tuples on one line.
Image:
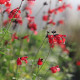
[(21, 43), (43, 63), (37, 54), (46, 73), (39, 49), (16, 73)]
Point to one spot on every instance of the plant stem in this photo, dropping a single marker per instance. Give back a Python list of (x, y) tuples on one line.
[(38, 50), (16, 73), (43, 63)]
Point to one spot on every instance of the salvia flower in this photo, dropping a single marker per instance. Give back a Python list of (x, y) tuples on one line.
[(14, 36), (26, 37), (3, 1), (8, 4), (55, 69), (8, 10), (19, 60), (78, 63), (15, 13), (45, 18), (78, 8), (40, 61), (32, 27), (56, 39)]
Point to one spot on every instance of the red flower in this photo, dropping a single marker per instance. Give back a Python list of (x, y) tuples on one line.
[(32, 26), (40, 61), (8, 4), (22, 59), (61, 22), (8, 10), (51, 11), (45, 18), (78, 63), (14, 37), (14, 13), (51, 22), (19, 61), (3, 1), (78, 8), (56, 39), (26, 37), (55, 69)]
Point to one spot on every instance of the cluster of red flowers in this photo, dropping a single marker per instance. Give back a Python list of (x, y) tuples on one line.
[(56, 39), (55, 69), (31, 22), (16, 37), (3, 1), (19, 60), (55, 11), (15, 13), (7, 9), (78, 63), (40, 61), (60, 9)]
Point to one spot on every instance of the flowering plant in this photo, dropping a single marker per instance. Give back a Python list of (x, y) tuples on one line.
[(36, 58)]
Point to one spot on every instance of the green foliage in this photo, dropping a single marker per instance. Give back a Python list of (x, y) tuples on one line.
[(19, 48)]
